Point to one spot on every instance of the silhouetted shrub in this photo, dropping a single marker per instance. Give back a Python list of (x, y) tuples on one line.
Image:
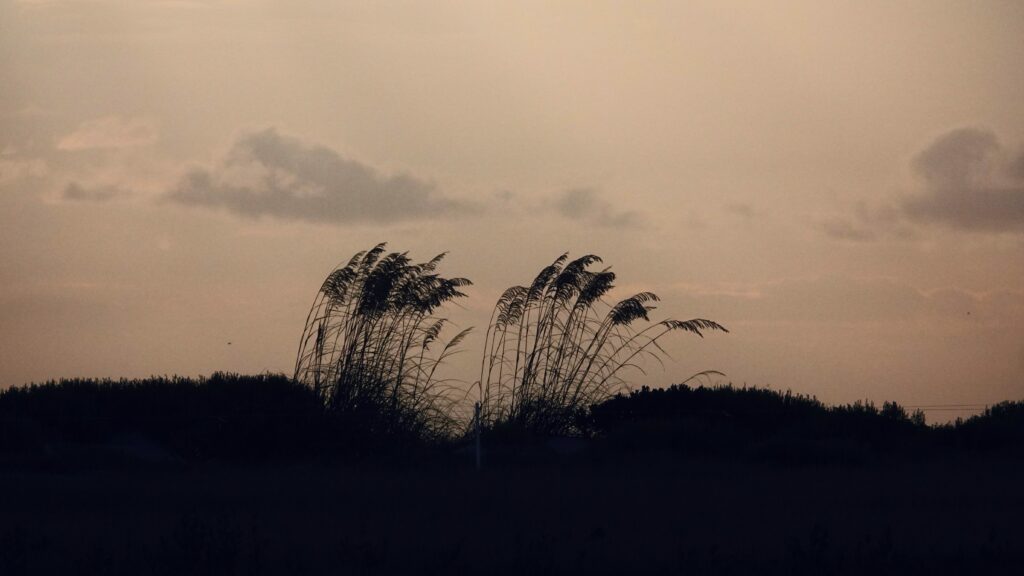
[(751, 422), (223, 416), (999, 428)]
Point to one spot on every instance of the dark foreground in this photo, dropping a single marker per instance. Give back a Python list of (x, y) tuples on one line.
[(579, 514)]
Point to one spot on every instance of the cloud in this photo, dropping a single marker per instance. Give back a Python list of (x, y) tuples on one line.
[(972, 182), (267, 174), (585, 205), (743, 210), (110, 132), (867, 224), (841, 228), (78, 193)]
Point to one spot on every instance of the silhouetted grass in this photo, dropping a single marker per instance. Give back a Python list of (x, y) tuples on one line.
[(365, 348), (554, 348)]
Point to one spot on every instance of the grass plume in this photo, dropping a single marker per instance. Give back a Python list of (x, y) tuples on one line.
[(553, 347), (366, 348)]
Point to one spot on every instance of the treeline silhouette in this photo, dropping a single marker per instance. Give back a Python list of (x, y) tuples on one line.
[(270, 418)]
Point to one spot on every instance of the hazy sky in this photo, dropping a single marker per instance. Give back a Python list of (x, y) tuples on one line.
[(840, 183)]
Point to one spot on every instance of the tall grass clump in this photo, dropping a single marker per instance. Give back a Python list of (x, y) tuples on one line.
[(366, 346), (554, 347)]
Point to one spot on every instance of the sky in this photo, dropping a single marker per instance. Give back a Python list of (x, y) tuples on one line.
[(841, 184)]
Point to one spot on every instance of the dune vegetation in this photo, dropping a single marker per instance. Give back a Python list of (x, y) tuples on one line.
[(365, 350), (557, 360), (554, 347)]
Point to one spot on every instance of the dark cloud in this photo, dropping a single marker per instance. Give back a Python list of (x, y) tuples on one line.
[(740, 209), (584, 204), (1017, 167), (847, 229), (971, 182), (266, 174), (78, 193)]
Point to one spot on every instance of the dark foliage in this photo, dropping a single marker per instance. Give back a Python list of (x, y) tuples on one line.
[(759, 423), (165, 419), (999, 429), (270, 417)]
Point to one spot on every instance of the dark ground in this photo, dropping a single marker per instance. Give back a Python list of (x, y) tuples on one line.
[(655, 513), (249, 475)]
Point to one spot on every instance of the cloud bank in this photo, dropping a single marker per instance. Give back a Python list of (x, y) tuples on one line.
[(78, 193), (972, 182), (267, 174), (585, 205)]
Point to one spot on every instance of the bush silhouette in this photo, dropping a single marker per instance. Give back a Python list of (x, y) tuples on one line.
[(759, 422), (1000, 428), (261, 417)]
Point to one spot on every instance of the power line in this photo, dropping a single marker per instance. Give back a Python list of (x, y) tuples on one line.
[(947, 406), (947, 409)]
